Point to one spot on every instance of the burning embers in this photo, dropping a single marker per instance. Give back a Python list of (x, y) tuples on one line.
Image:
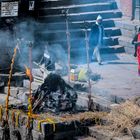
[(28, 73), (54, 95)]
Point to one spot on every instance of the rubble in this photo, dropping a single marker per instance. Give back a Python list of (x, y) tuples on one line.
[(54, 95), (123, 119)]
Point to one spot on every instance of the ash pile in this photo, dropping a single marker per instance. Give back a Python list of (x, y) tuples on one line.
[(54, 95)]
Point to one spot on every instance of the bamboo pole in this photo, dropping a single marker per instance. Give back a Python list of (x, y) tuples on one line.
[(68, 42), (90, 101), (88, 60), (9, 82), (30, 86)]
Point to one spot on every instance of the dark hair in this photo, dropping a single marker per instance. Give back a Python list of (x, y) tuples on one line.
[(139, 29)]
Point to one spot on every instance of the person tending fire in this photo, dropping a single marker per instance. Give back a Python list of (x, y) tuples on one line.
[(47, 60), (47, 64)]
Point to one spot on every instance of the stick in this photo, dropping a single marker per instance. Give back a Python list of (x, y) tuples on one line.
[(90, 102), (68, 43), (30, 88)]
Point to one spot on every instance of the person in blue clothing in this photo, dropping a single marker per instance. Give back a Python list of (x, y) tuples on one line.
[(96, 39)]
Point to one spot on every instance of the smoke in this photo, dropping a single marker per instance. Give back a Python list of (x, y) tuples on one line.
[(11, 33), (56, 24), (26, 32), (6, 43), (58, 54)]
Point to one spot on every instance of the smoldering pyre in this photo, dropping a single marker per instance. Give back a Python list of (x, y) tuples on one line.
[(54, 95)]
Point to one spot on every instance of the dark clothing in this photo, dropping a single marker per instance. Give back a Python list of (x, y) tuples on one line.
[(136, 45), (96, 41), (94, 35), (49, 64), (137, 50)]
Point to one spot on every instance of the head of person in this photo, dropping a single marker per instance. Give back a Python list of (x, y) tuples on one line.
[(139, 30), (99, 19)]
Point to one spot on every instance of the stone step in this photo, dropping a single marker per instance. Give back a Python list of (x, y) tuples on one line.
[(128, 28), (124, 24), (126, 42), (77, 33), (78, 49), (53, 3), (103, 134), (84, 138), (100, 103), (12, 100), (136, 132), (81, 16), (52, 23), (46, 7), (100, 134), (107, 23), (109, 41), (127, 33), (80, 53), (77, 8), (112, 49)]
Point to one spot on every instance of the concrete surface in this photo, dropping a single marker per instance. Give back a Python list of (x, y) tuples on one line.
[(119, 76)]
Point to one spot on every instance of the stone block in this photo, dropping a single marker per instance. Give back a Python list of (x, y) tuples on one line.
[(84, 138), (18, 92), (37, 135), (12, 100), (136, 132), (99, 104), (100, 134), (117, 99), (123, 138), (1, 132), (45, 128), (23, 132), (13, 91), (26, 84), (23, 96)]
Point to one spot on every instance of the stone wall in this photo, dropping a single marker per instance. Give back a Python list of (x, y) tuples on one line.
[(126, 6)]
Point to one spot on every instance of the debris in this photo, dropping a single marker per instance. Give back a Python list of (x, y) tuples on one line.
[(122, 118), (83, 76), (54, 95), (23, 96), (79, 86), (73, 75), (95, 77), (137, 101)]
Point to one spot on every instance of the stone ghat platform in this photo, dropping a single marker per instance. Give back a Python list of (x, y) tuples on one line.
[(48, 126)]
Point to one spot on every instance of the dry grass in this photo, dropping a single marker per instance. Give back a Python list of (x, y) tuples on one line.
[(85, 116), (96, 116), (123, 117)]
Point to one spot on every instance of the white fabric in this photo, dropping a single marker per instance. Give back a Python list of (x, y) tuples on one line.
[(99, 17), (46, 55), (96, 54)]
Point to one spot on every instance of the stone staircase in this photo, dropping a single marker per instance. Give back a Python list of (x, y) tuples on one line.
[(52, 25), (128, 30)]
